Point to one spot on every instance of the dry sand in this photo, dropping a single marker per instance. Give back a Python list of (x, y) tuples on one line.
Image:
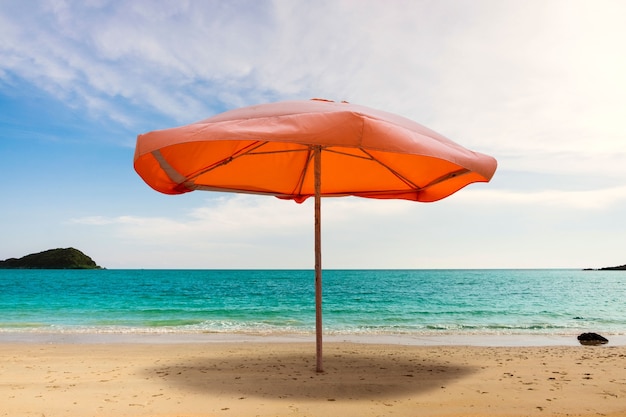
[(278, 379)]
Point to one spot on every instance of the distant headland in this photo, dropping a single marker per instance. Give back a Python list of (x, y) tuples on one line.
[(67, 258), (608, 268)]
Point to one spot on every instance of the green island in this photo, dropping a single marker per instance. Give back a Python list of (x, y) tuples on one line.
[(61, 258)]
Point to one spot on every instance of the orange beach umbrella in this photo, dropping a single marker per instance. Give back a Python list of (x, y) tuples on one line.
[(313, 148)]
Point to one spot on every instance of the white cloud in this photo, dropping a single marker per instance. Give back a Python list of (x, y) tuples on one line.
[(538, 84), (524, 81), (535, 83), (596, 199), (252, 217), (221, 220), (252, 231), (501, 76)]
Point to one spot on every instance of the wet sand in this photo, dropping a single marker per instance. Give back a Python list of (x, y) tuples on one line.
[(249, 378)]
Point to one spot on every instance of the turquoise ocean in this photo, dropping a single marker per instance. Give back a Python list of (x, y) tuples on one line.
[(281, 302)]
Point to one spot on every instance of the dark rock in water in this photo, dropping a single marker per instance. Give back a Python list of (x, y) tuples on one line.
[(592, 339), (68, 258)]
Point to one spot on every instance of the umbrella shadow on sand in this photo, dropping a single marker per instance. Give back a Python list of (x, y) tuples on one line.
[(350, 374)]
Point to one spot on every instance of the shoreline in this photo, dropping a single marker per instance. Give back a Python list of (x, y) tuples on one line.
[(477, 340)]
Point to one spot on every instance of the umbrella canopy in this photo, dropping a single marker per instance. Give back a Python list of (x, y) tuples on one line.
[(277, 149)]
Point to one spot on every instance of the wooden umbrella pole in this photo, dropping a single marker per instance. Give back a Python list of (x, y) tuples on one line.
[(317, 156)]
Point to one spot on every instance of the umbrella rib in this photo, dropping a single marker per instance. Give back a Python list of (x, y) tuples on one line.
[(368, 157), (245, 151), (248, 150), (394, 172), (171, 172), (277, 151), (300, 182), (410, 183), (448, 176), (237, 190)]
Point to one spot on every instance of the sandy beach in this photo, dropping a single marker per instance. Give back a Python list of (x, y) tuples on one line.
[(278, 379)]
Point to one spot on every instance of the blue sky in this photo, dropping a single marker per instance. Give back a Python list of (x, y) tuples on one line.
[(539, 85)]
